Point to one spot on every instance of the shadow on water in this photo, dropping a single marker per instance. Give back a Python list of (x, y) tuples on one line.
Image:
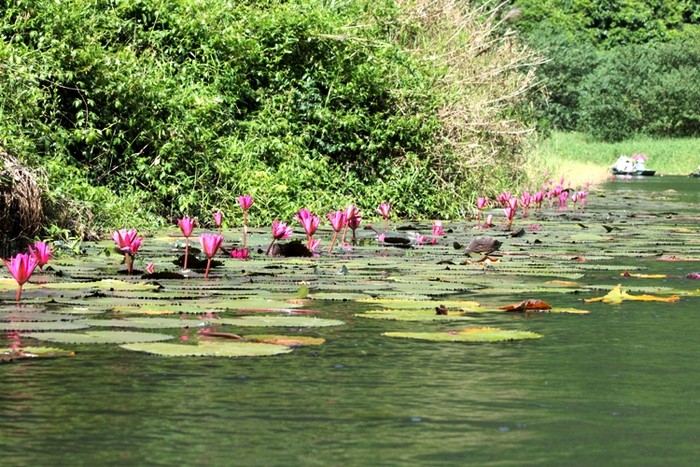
[(616, 386)]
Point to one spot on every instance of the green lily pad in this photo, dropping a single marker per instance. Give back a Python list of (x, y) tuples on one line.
[(32, 326), (403, 304), (146, 323), (413, 315), (104, 284), (281, 321), (10, 355), (467, 335), (290, 341), (338, 296), (210, 349), (99, 337)]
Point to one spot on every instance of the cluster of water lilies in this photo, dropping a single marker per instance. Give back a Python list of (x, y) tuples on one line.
[(128, 241)]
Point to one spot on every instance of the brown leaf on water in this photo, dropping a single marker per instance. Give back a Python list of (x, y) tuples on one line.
[(527, 305)]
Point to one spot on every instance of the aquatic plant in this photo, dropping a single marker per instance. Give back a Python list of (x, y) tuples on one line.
[(481, 203), (309, 222), (218, 218), (210, 245), (42, 252), (128, 243), (337, 220), (186, 225), (245, 201), (21, 266), (280, 231), (384, 210)]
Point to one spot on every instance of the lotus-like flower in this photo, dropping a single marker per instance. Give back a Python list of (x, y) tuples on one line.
[(337, 220), (489, 221), (438, 231), (510, 215), (384, 210), (218, 218), (353, 216), (151, 268), (563, 196), (481, 203), (21, 266), (280, 231), (246, 201), (128, 242), (243, 253), (503, 198), (309, 222), (42, 252), (186, 225), (420, 240), (210, 245)]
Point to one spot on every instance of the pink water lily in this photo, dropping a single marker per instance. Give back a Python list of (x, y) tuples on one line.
[(150, 268), (510, 215), (245, 201), (563, 196), (438, 231), (242, 253), (384, 210), (280, 231), (489, 221), (218, 219), (481, 203), (309, 222), (420, 240), (186, 225), (42, 252), (353, 216), (21, 266), (129, 243), (210, 245), (337, 220)]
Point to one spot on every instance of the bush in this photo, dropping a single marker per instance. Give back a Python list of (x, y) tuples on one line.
[(155, 108)]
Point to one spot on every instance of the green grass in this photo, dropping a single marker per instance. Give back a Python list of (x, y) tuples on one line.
[(580, 159)]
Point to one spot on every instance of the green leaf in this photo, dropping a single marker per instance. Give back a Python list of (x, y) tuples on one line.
[(281, 321), (467, 335), (43, 326), (413, 315), (222, 348), (99, 337), (146, 323)]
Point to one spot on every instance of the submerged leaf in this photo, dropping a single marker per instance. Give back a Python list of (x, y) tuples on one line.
[(467, 335)]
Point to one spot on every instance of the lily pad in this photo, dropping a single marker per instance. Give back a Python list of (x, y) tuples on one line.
[(32, 326), (467, 335), (104, 284), (462, 305), (281, 321), (10, 355), (146, 323), (617, 295), (290, 341), (99, 337), (413, 315), (221, 348)]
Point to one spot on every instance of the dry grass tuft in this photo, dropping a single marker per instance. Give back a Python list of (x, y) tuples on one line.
[(21, 212)]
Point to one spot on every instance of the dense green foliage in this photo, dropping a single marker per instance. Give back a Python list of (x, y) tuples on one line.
[(149, 109), (617, 68)]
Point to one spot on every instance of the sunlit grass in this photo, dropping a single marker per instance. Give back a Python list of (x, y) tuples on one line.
[(580, 159)]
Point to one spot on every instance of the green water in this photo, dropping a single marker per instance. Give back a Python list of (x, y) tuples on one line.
[(617, 387)]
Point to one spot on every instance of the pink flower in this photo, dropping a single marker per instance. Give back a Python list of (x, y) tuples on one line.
[(509, 212), (384, 209), (562, 199), (437, 229), (337, 220), (21, 266), (218, 218), (210, 245), (246, 201), (489, 221), (308, 221), (513, 203), (503, 198), (124, 238), (151, 268), (352, 211), (280, 230), (42, 253), (354, 223), (535, 227), (186, 225), (420, 240), (314, 244), (381, 237), (243, 253), (481, 203)]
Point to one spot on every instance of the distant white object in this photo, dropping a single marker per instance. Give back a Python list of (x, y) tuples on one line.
[(624, 164)]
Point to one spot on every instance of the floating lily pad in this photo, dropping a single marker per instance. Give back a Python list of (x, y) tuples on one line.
[(290, 341), (453, 305), (99, 337), (43, 326), (221, 348), (146, 323), (104, 284), (467, 335), (11, 355), (281, 321), (413, 315), (617, 295), (338, 296)]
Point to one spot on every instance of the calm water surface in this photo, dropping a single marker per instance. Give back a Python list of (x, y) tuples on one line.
[(620, 386)]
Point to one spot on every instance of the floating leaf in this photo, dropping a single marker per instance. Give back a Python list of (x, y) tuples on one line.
[(281, 321), (617, 295), (413, 315), (146, 323), (468, 335), (104, 284), (99, 337), (223, 348), (43, 326), (10, 355), (526, 305), (643, 276), (403, 304), (289, 341)]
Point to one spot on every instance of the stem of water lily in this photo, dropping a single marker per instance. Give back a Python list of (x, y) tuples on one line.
[(206, 272), (19, 293), (270, 247), (386, 223), (335, 237), (187, 252), (129, 260), (245, 229), (345, 231)]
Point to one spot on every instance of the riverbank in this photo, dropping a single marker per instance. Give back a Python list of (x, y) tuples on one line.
[(579, 159)]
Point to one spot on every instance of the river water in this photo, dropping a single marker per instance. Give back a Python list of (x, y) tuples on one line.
[(619, 386)]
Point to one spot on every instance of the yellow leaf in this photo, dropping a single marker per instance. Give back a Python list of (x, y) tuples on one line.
[(617, 295)]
